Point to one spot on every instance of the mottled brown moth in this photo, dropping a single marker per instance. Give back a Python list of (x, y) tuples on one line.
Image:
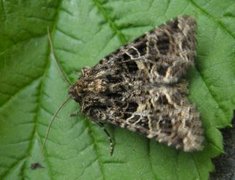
[(142, 86)]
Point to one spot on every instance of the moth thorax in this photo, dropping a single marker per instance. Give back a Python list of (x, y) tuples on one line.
[(97, 86)]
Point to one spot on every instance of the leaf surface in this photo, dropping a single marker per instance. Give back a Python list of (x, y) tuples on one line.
[(32, 87)]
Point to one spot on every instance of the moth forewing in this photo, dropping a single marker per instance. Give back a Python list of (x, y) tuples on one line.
[(141, 86)]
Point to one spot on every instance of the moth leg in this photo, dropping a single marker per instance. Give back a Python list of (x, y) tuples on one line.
[(74, 114), (111, 142)]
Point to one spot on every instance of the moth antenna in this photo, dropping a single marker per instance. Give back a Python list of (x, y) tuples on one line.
[(52, 120), (65, 77)]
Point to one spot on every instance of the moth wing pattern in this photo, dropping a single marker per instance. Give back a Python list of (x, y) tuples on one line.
[(141, 86), (167, 50)]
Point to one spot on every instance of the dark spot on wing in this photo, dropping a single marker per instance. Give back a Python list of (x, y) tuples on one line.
[(162, 100), (131, 66), (163, 43), (132, 107), (162, 70)]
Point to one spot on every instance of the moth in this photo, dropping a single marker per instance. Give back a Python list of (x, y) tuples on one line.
[(142, 86)]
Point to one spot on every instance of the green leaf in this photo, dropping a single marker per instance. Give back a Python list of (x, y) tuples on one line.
[(83, 31)]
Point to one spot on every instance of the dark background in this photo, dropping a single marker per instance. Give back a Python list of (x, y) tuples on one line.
[(225, 164)]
